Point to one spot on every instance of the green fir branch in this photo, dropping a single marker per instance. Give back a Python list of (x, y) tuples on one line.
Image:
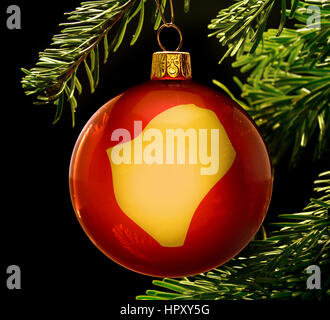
[(288, 88), (54, 78), (272, 268), (288, 85), (243, 22)]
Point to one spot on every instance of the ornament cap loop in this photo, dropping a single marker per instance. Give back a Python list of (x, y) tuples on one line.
[(171, 65), (169, 25)]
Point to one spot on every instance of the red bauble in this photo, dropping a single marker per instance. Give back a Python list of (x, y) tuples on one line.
[(218, 224)]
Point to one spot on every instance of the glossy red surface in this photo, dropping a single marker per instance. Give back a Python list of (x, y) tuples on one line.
[(226, 219)]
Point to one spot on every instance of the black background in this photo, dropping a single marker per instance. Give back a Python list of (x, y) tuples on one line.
[(39, 230)]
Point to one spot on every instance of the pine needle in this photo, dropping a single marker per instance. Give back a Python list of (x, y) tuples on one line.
[(87, 28), (287, 90)]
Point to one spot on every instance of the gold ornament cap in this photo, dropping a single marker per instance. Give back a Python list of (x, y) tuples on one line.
[(171, 65)]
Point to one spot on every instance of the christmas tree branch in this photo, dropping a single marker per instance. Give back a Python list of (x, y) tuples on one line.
[(243, 22), (288, 93), (272, 268), (288, 85), (54, 78)]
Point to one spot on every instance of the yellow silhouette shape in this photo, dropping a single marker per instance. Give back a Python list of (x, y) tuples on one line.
[(162, 175)]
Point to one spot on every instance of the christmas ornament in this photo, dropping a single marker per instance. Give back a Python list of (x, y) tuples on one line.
[(170, 178)]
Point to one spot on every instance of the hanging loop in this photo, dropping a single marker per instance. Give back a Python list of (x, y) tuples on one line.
[(169, 25)]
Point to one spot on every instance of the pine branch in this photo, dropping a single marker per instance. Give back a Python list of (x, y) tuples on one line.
[(288, 90), (243, 22), (54, 78), (273, 268), (288, 84)]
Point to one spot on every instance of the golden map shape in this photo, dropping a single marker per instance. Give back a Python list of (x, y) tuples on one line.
[(160, 197)]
